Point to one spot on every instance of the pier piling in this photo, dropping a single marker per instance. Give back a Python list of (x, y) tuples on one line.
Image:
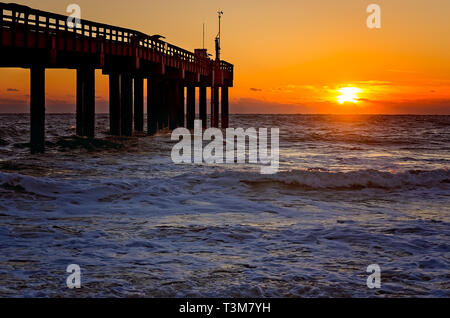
[(203, 106), (215, 107), (139, 104), (126, 109), (153, 106), (180, 104), (85, 101), (173, 97), (165, 90), (37, 108), (114, 104), (190, 106), (225, 107)]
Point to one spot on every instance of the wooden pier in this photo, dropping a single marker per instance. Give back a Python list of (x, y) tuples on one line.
[(39, 40)]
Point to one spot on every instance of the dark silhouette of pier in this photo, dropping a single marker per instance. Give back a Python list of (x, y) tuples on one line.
[(38, 40)]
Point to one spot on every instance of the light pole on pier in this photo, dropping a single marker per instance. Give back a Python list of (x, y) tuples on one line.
[(220, 13)]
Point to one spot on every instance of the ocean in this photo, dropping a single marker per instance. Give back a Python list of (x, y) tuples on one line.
[(351, 191)]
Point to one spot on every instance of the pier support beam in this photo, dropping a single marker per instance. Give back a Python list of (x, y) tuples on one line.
[(139, 104), (37, 109), (165, 91), (154, 97), (190, 107), (203, 106), (180, 105), (86, 101), (215, 107), (126, 109), (114, 104), (173, 100), (225, 107), (79, 102)]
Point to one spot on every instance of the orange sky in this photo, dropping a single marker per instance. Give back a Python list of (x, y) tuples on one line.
[(291, 56)]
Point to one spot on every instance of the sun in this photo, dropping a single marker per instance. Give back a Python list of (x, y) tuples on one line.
[(348, 95)]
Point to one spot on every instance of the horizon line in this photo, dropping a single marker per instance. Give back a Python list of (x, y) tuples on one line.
[(259, 114)]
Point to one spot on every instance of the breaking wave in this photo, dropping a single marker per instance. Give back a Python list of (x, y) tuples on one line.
[(319, 179)]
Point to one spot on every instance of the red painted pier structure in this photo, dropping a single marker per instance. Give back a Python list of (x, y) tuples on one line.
[(39, 40)]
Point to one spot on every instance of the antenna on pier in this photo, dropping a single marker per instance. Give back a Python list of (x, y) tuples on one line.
[(203, 35), (220, 13)]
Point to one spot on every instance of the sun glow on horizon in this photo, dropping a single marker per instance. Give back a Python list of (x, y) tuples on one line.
[(348, 95)]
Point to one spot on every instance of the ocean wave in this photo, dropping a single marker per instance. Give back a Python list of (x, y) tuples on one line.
[(12, 131), (361, 179), (31, 185), (298, 179), (358, 139)]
